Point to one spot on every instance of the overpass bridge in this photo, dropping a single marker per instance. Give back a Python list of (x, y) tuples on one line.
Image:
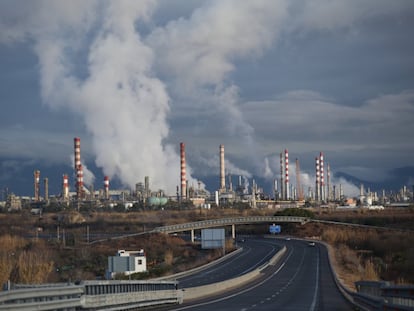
[(231, 221)]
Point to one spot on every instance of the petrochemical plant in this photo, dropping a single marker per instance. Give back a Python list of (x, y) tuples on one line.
[(285, 194)]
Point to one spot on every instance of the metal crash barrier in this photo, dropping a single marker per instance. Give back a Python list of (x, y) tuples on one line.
[(101, 295), (374, 295)]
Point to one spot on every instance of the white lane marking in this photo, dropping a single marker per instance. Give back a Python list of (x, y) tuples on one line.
[(265, 258), (315, 294), (202, 274), (241, 292)]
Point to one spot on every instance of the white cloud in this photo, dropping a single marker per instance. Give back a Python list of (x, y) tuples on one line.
[(140, 92)]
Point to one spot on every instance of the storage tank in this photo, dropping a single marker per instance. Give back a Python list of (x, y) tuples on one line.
[(153, 201), (157, 201)]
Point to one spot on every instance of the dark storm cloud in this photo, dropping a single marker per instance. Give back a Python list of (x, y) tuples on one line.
[(258, 77)]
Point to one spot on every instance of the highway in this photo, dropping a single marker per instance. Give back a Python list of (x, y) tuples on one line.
[(301, 281), (255, 253)]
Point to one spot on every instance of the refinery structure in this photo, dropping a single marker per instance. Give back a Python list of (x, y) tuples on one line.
[(249, 193)]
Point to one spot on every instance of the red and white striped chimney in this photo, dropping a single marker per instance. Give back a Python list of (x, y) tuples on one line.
[(317, 187), (78, 168), (77, 152), (106, 187), (321, 163), (79, 182), (282, 173), (183, 172), (287, 174), (65, 187)]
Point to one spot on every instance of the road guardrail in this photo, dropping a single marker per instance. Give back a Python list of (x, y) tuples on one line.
[(91, 295)]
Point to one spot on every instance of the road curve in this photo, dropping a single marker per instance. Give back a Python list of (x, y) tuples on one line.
[(255, 253), (302, 280)]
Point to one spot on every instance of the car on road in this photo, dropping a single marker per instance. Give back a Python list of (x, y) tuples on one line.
[(311, 244)]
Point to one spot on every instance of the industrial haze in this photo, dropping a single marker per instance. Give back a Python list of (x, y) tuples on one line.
[(133, 79)]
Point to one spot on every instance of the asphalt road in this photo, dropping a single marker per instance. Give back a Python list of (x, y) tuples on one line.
[(301, 281), (255, 253)]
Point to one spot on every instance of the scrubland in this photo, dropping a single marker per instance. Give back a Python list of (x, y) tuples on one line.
[(55, 248)]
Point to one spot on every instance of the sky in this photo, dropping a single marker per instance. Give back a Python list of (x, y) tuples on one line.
[(133, 79)]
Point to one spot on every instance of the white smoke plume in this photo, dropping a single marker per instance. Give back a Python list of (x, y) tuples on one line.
[(198, 55), (116, 94), (308, 180), (122, 105)]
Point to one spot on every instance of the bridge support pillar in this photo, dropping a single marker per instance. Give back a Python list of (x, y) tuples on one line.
[(233, 231), (192, 235)]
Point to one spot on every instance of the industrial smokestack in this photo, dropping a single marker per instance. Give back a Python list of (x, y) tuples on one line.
[(147, 187), (46, 182), (36, 175), (321, 163), (78, 169), (282, 183), (275, 189), (65, 187), (287, 174), (222, 174), (106, 187), (317, 188), (299, 191), (79, 182), (77, 153), (183, 172), (328, 180)]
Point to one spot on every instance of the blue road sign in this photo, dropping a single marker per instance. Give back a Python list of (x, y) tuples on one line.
[(275, 229)]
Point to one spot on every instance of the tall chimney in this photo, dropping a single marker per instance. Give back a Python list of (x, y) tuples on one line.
[(78, 169), (106, 187), (328, 180), (222, 174), (65, 187), (183, 172), (287, 174), (275, 189), (321, 163), (46, 181), (282, 183), (36, 185), (77, 152), (147, 187), (317, 187), (79, 182)]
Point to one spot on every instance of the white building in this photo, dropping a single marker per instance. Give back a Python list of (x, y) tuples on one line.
[(126, 262)]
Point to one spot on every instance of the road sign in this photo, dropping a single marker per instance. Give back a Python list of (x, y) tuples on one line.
[(275, 229)]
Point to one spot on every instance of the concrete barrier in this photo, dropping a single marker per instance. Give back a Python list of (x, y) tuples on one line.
[(192, 293), (200, 268)]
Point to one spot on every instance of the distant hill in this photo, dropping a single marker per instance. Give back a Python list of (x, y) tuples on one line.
[(396, 179)]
